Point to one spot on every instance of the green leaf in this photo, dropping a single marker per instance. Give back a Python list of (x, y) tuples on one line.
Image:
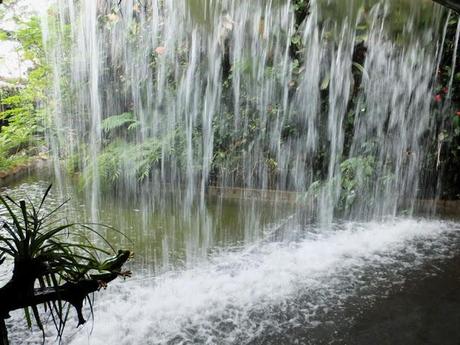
[(116, 121), (27, 317), (325, 82), (15, 220)]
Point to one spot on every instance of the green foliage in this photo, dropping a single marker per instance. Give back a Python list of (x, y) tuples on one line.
[(357, 177), (7, 162), (357, 174), (119, 121), (137, 160), (20, 116), (301, 5), (30, 37), (444, 155), (3, 35), (33, 234)]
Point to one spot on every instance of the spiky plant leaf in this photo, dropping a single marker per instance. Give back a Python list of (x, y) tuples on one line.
[(34, 234)]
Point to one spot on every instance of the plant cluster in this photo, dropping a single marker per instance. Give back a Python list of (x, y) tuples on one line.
[(442, 171), (60, 258), (21, 112)]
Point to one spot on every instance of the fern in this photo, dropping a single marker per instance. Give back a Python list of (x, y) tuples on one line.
[(125, 159), (357, 175), (149, 155), (117, 121), (134, 160)]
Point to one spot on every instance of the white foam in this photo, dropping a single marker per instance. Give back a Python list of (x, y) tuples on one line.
[(233, 285)]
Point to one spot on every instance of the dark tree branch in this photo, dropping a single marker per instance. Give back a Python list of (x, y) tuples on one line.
[(20, 293), (14, 297)]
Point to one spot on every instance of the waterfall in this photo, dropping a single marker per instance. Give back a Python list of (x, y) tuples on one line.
[(170, 96), (157, 105)]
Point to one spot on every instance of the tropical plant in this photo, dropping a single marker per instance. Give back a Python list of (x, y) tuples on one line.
[(114, 122), (442, 163), (127, 157), (357, 178), (58, 257)]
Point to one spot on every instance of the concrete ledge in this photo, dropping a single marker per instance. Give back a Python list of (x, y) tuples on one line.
[(443, 207), (255, 194)]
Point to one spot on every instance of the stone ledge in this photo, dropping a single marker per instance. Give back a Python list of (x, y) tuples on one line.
[(22, 169)]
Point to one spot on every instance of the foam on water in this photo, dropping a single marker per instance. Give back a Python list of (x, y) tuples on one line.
[(218, 302)]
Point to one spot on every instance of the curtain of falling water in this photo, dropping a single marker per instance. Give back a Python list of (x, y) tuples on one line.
[(218, 97)]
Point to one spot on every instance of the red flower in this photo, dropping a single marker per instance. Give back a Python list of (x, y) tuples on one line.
[(438, 98), (160, 50)]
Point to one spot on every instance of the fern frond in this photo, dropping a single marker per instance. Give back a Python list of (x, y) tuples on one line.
[(117, 121)]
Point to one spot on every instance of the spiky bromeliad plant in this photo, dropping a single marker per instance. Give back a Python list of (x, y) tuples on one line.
[(54, 264)]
